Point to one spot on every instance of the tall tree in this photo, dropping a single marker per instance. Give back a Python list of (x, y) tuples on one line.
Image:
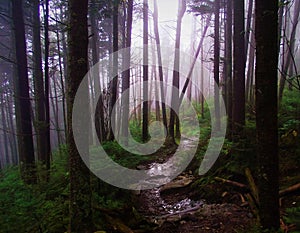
[(217, 63), (22, 100), (145, 72), (99, 115), (266, 31), (159, 60), (114, 82), (248, 26), (228, 64), (239, 66), (47, 86), (175, 92), (290, 50), (126, 77), (80, 196), (39, 95)]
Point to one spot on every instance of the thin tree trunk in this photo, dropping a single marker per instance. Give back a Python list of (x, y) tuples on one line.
[(175, 91), (99, 115), (11, 126), (250, 71), (217, 65), (126, 74), (145, 133), (114, 82), (4, 125), (248, 26), (228, 62), (62, 77), (200, 48), (40, 123), (291, 47), (160, 68), (202, 83), (47, 105), (55, 111)]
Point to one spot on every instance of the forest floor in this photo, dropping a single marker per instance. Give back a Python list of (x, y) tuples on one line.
[(181, 210), (180, 206)]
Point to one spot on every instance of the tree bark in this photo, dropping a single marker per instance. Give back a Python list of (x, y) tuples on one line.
[(175, 92), (217, 65), (250, 71), (228, 62), (99, 115), (80, 193), (126, 74), (160, 68), (266, 111), (114, 82), (248, 26), (40, 123), (145, 133), (239, 67), (22, 99), (47, 83)]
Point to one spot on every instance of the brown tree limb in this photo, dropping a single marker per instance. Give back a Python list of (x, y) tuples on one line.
[(233, 183), (289, 190)]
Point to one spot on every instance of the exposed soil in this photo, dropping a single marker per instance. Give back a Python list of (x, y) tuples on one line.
[(181, 209)]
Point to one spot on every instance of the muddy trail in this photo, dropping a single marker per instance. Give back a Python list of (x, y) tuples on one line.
[(177, 206)]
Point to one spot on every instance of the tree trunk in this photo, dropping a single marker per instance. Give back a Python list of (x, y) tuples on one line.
[(47, 83), (266, 111), (175, 92), (126, 74), (228, 63), (62, 76), (160, 68), (145, 133), (114, 82), (80, 193), (22, 100), (239, 67), (217, 65), (4, 125), (250, 71), (40, 123), (99, 115), (248, 26)]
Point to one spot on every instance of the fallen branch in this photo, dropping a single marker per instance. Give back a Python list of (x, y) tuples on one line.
[(233, 183), (289, 190), (180, 212)]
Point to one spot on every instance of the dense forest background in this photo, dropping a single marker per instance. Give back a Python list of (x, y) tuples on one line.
[(236, 62)]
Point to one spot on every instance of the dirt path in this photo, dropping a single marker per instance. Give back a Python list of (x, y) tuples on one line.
[(179, 210)]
